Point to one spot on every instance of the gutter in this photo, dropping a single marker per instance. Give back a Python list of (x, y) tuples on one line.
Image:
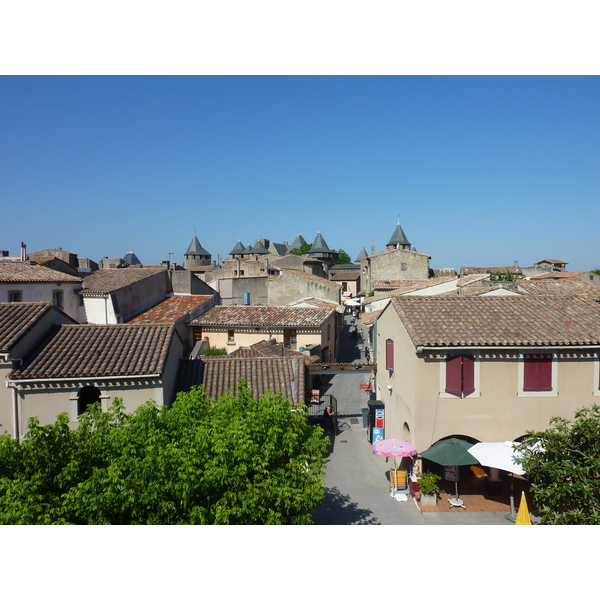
[(11, 382), (419, 349)]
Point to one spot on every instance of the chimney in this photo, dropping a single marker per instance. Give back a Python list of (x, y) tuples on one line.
[(23, 252), (372, 250)]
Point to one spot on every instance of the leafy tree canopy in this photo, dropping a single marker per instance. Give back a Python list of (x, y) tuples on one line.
[(302, 250), (235, 461), (506, 276), (597, 271), (342, 259), (563, 465)]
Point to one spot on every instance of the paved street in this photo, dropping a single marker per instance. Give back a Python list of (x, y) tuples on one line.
[(357, 489)]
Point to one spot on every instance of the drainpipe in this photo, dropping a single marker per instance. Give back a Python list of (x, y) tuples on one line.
[(16, 428)]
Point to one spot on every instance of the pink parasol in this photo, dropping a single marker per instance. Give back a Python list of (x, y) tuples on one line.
[(394, 448)]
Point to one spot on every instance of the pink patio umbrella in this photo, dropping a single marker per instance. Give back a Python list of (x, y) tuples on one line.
[(394, 448)]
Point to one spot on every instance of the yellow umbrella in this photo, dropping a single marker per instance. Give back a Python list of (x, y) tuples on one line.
[(523, 514)]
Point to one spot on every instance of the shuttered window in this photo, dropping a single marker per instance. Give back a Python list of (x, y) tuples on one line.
[(537, 373), (460, 374), (389, 355)]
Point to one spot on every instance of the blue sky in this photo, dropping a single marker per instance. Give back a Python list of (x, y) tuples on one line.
[(480, 170)]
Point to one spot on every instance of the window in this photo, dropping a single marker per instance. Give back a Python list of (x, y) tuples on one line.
[(460, 374), (15, 296), (231, 336), (290, 338), (86, 396), (389, 355), (57, 298), (537, 372)]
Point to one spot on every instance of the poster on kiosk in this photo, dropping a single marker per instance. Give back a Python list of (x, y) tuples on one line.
[(379, 425)]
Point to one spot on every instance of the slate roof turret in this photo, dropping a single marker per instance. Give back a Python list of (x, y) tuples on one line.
[(195, 248), (319, 245), (398, 237), (238, 248), (259, 248), (132, 259), (297, 243), (363, 254)]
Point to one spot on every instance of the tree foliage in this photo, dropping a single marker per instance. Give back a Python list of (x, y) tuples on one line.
[(302, 250), (235, 461), (343, 258), (506, 276), (563, 465)]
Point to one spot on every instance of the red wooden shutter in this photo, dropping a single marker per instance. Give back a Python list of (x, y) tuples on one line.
[(530, 374), (545, 372), (468, 374), (389, 355), (537, 373), (453, 374)]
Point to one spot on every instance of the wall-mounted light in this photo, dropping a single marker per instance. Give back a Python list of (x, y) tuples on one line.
[(389, 388)]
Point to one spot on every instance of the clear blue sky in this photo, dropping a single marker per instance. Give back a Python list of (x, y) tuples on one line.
[(480, 170)]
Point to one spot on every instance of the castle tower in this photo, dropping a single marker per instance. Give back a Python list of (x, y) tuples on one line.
[(398, 240), (196, 255)]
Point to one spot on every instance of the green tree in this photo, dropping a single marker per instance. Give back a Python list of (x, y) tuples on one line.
[(597, 271), (342, 259), (233, 461), (302, 250), (215, 351), (506, 276), (563, 465)]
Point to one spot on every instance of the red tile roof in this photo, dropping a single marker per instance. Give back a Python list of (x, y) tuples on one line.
[(263, 316), (16, 318), (78, 351), (25, 272), (172, 309), (285, 375), (499, 321), (560, 287), (269, 349)]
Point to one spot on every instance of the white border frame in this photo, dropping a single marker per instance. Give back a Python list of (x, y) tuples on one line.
[(521, 375)]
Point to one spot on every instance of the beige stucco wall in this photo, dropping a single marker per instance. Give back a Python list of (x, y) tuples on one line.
[(42, 292), (497, 411)]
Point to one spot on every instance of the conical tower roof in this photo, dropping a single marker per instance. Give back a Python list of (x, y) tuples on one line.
[(297, 243), (259, 248), (319, 245), (363, 254), (247, 250), (196, 248), (238, 248), (131, 259), (398, 237)]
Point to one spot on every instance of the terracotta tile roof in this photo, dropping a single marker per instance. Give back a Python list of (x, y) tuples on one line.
[(480, 290), (553, 261), (172, 309), (561, 275), (25, 272), (368, 318), (345, 276), (74, 351), (105, 281), (16, 318), (269, 349), (560, 287), (285, 375), (470, 279), (316, 302), (499, 321), (413, 284), (263, 316)]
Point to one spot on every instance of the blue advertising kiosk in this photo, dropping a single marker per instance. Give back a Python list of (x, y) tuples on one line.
[(376, 420)]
